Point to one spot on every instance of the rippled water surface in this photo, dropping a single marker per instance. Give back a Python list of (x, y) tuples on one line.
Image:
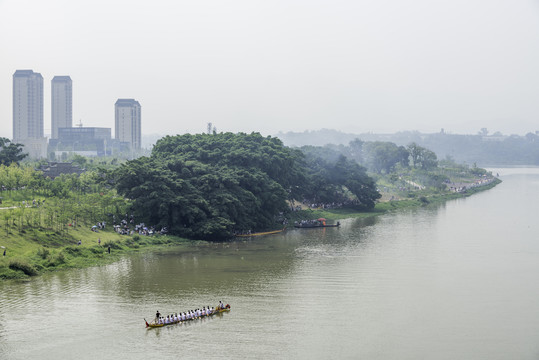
[(457, 281)]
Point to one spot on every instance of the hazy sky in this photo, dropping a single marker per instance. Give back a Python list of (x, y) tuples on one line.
[(268, 66)]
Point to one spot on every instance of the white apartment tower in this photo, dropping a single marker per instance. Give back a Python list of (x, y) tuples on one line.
[(27, 105), (28, 113), (127, 124), (61, 104)]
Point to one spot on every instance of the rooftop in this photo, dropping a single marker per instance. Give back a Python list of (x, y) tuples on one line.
[(126, 102), (25, 73)]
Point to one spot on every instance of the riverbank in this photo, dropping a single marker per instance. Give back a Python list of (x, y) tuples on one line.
[(36, 252), (33, 252), (421, 200)]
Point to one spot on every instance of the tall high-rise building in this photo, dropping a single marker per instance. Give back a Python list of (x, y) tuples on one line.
[(28, 112), (27, 105), (61, 104), (127, 124)]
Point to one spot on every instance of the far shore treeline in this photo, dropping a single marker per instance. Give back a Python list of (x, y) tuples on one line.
[(207, 186)]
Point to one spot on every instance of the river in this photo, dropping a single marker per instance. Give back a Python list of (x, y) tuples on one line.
[(456, 281)]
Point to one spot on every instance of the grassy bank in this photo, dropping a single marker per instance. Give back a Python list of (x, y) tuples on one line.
[(37, 251)]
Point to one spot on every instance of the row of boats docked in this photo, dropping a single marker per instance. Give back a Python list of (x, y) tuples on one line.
[(189, 315)]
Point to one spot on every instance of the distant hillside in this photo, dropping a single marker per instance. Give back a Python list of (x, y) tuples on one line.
[(484, 150)]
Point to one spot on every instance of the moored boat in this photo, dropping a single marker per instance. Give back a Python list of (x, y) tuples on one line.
[(319, 223), (261, 233)]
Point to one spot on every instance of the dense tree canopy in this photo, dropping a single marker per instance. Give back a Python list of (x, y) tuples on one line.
[(208, 185), (205, 186)]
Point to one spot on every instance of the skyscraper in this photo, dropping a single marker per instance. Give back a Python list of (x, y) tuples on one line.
[(127, 122), (61, 104), (27, 105)]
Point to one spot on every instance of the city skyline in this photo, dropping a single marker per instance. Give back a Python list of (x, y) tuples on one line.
[(28, 118)]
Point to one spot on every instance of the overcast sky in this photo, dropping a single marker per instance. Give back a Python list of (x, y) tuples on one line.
[(268, 66)]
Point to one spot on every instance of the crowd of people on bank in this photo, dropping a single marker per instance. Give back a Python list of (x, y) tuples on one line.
[(127, 226), (462, 187)]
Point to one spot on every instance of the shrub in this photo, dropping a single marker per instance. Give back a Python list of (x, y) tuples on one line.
[(56, 260), (21, 265), (97, 249), (112, 244), (43, 252), (72, 250)]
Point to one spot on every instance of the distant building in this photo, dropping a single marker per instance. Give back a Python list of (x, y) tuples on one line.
[(28, 112), (86, 141), (127, 122), (55, 169), (61, 104)]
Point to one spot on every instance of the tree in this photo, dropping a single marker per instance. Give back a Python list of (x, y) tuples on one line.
[(10, 152), (382, 156), (331, 174), (422, 157), (356, 150), (428, 160), (205, 186)]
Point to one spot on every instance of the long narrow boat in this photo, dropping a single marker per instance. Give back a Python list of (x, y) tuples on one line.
[(153, 324), (261, 233)]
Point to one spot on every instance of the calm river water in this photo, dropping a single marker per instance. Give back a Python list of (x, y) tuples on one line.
[(458, 281)]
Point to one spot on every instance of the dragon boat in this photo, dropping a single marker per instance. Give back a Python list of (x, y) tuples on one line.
[(154, 324)]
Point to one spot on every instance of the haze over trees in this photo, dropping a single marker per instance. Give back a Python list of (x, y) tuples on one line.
[(484, 148)]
